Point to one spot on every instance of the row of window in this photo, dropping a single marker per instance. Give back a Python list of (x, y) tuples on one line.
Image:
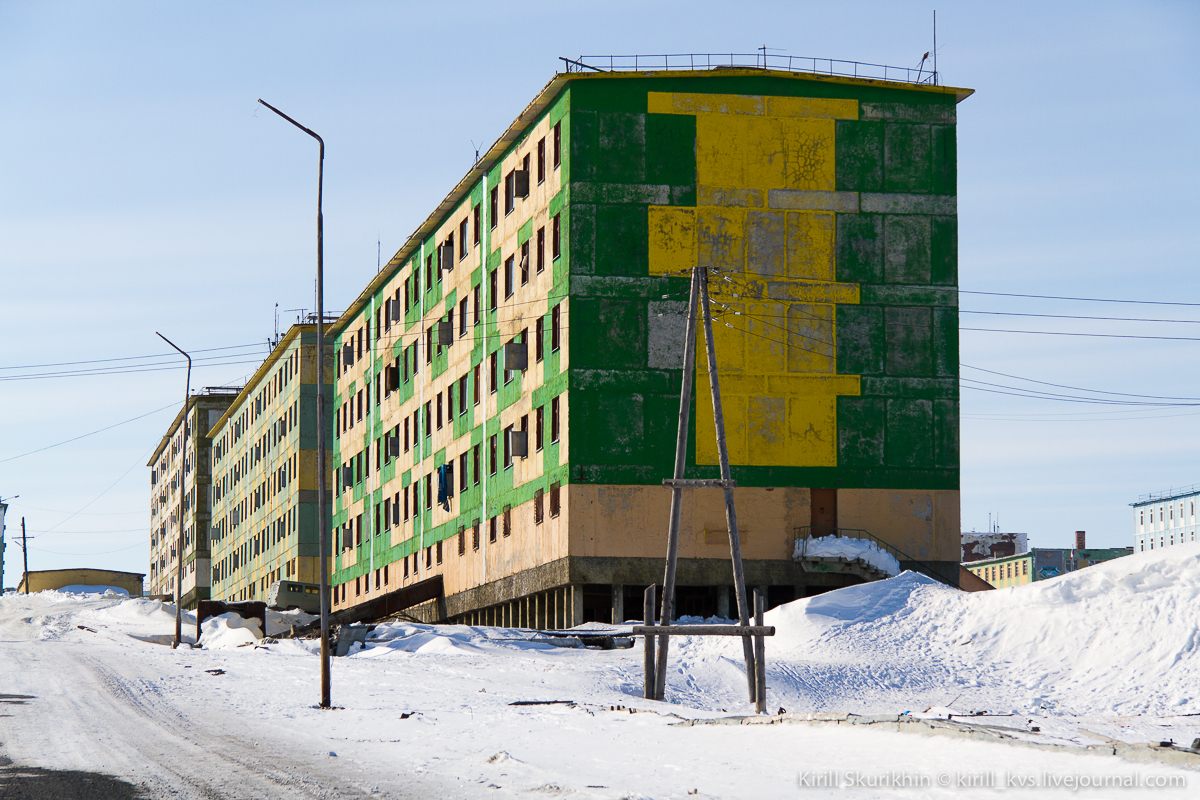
[(275, 533), (1162, 540), (351, 535), (404, 436), (1169, 511), (999, 572)]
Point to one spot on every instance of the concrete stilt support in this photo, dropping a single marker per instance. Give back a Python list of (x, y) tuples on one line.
[(723, 602), (618, 603), (576, 605)]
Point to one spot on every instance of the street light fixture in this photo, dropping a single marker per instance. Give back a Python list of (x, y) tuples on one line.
[(187, 394), (322, 535)]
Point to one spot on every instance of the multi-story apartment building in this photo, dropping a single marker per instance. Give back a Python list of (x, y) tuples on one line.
[(264, 465), (508, 385), (181, 486), (1005, 571), (1165, 519)]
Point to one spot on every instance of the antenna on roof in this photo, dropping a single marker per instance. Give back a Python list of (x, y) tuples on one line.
[(275, 341), (378, 255), (935, 72), (476, 150)]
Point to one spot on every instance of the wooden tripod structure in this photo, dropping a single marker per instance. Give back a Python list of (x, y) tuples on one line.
[(755, 678)]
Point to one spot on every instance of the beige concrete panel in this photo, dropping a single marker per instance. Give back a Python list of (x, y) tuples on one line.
[(924, 523), (632, 521)]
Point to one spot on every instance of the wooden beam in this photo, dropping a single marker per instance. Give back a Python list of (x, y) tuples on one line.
[(698, 483), (704, 630)]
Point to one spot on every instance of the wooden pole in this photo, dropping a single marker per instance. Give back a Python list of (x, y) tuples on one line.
[(25, 555), (648, 607), (760, 656), (735, 547), (685, 409)]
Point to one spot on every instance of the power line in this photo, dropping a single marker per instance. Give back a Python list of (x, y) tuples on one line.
[(128, 358), (133, 369), (84, 436), (1077, 316), (1082, 299), (1078, 388), (969, 383), (1094, 335)]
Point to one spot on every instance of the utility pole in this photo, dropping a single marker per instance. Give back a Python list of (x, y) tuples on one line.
[(322, 528), (685, 408), (187, 394), (699, 291), (735, 547), (25, 554)]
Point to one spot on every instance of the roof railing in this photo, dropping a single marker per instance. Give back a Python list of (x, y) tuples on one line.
[(1169, 494), (760, 60)]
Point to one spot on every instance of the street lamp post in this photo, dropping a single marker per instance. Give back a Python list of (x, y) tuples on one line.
[(322, 535), (187, 394)]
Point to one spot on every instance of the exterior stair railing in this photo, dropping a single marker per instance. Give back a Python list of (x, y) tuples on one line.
[(807, 533)]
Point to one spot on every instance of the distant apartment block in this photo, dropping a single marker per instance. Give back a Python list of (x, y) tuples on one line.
[(979, 546), (1042, 563), (507, 386), (1004, 571), (264, 465), (181, 487), (1165, 519)]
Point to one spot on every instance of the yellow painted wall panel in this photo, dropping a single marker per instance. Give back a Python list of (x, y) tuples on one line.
[(812, 431), (810, 245), (811, 107), (721, 238), (719, 150), (703, 104), (810, 339), (672, 240), (764, 152), (808, 147), (734, 407), (729, 344), (767, 430), (764, 324)]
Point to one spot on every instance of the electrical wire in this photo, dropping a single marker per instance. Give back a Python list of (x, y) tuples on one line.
[(84, 436), (1081, 299), (129, 358)]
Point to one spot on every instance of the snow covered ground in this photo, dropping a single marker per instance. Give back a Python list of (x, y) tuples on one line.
[(1108, 653)]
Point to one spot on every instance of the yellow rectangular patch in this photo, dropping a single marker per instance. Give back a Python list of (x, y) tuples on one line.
[(672, 240), (702, 103), (813, 107)]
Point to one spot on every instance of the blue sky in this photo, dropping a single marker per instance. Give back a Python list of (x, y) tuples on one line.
[(144, 190)]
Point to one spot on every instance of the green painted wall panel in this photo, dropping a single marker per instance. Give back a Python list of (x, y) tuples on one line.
[(859, 156), (860, 248)]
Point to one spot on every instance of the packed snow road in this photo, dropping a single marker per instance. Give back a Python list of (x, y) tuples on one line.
[(81, 719), (90, 706)]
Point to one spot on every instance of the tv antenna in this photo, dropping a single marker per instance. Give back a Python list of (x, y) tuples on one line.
[(763, 49)]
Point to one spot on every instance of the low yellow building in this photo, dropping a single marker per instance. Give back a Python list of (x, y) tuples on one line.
[(1006, 571), (47, 579)]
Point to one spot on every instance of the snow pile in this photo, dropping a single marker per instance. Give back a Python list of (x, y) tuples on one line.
[(449, 639), (279, 622), (229, 630), (107, 591), (845, 547), (1122, 637)]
